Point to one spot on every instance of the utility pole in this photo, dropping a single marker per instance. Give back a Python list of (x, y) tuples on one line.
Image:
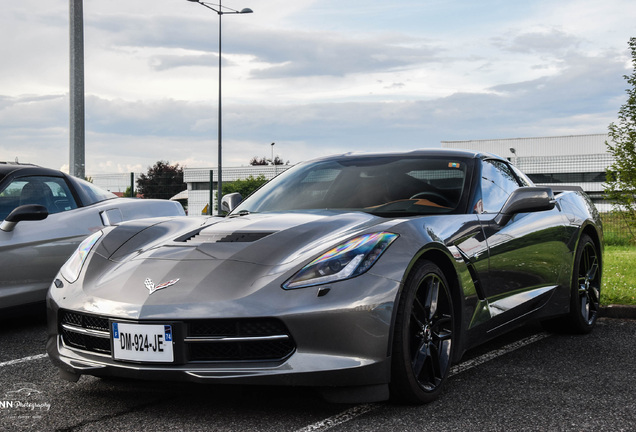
[(76, 91)]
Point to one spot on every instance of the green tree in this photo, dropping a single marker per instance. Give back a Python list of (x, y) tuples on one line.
[(620, 185), (278, 161), (162, 181), (244, 186), (256, 161)]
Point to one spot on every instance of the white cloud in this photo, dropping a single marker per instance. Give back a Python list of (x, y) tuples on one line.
[(315, 77)]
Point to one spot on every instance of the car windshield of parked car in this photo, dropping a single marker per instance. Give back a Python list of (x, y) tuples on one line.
[(383, 185)]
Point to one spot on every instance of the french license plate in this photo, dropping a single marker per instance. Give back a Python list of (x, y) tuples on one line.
[(142, 342)]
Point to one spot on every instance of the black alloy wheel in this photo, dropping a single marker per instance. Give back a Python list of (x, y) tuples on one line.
[(424, 332), (586, 290)]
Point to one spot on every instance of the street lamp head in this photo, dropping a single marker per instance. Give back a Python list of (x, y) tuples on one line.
[(219, 9)]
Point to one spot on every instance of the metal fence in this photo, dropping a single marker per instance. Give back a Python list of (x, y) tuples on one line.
[(123, 183), (116, 183), (586, 171), (198, 181)]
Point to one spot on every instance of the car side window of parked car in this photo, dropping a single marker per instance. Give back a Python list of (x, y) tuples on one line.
[(497, 183), (50, 192)]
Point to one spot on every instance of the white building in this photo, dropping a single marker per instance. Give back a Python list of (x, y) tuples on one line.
[(576, 160)]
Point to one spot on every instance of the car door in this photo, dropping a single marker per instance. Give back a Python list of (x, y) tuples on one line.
[(527, 252), (33, 251)]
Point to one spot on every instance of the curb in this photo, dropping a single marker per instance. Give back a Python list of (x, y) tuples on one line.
[(618, 311)]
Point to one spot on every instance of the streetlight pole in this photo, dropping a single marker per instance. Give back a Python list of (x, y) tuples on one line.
[(220, 12), (273, 159)]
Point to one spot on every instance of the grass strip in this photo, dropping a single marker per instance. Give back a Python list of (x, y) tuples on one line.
[(619, 276)]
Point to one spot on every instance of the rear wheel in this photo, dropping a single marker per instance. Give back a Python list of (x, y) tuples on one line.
[(585, 291), (586, 287), (423, 339)]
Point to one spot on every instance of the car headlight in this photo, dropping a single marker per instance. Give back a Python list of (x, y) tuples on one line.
[(73, 266), (345, 261)]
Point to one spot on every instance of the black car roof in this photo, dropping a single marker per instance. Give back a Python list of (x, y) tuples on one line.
[(10, 167), (7, 167), (432, 152)]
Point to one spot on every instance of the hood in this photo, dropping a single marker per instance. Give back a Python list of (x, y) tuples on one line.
[(228, 260), (275, 239)]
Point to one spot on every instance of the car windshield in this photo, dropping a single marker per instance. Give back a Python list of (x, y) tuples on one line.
[(383, 185)]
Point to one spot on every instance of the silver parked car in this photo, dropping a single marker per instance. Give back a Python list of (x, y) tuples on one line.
[(44, 215), (364, 275)]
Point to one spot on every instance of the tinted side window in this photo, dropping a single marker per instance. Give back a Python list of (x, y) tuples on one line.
[(51, 192), (524, 179), (497, 183)]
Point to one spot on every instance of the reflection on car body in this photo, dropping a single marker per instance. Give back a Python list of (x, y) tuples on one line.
[(364, 275)]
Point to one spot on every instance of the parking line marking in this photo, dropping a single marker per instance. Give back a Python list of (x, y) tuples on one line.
[(469, 364), (23, 360), (358, 410), (340, 418)]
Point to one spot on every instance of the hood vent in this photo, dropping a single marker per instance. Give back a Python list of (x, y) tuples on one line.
[(235, 237)]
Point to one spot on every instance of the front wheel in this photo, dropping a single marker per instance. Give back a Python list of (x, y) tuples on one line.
[(423, 338)]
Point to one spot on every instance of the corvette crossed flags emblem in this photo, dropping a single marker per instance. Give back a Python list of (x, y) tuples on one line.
[(153, 288)]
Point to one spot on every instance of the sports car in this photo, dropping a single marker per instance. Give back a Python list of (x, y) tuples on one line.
[(44, 215), (364, 275)]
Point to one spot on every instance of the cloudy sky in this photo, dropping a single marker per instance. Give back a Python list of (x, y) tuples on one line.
[(314, 76)]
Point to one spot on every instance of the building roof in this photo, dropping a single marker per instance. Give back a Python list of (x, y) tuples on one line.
[(539, 146)]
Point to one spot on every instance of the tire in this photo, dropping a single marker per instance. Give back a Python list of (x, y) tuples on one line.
[(585, 291), (423, 337), (586, 287)]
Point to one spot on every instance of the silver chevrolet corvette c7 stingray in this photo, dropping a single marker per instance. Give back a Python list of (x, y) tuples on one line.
[(366, 275)]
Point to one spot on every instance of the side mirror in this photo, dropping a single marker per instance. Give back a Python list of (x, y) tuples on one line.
[(230, 201), (28, 212), (526, 200)]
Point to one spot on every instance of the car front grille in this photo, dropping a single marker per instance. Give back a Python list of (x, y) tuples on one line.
[(85, 332), (238, 339), (213, 340)]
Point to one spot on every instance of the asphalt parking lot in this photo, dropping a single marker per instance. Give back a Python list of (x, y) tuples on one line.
[(526, 381)]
